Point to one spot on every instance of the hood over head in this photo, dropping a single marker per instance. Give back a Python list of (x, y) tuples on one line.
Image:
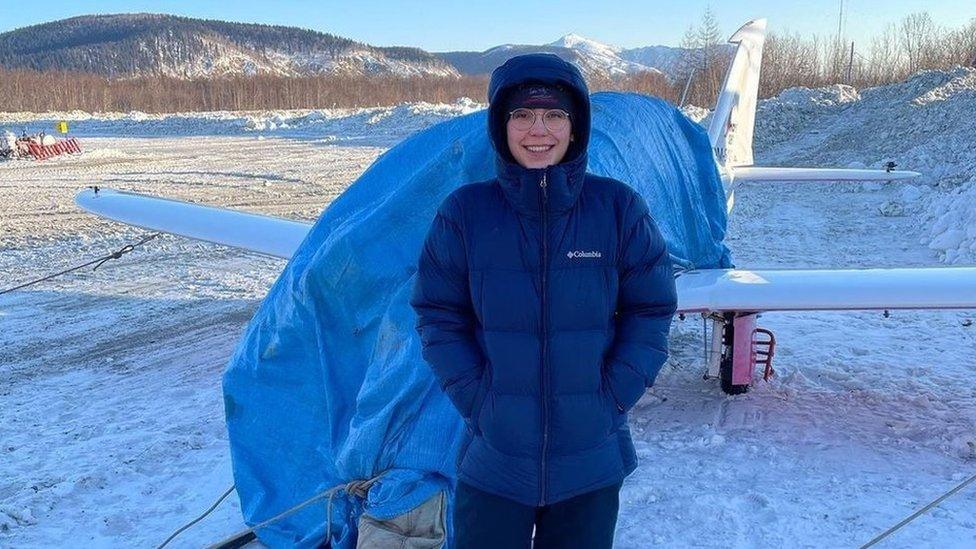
[(541, 68), (522, 186)]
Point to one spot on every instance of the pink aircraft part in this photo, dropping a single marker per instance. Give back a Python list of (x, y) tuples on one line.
[(743, 361)]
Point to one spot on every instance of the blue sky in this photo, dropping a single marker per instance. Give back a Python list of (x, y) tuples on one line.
[(438, 25)]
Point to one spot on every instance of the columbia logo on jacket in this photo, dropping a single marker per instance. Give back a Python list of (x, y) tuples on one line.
[(578, 254)]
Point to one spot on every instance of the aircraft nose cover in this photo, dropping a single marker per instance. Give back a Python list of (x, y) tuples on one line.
[(328, 384)]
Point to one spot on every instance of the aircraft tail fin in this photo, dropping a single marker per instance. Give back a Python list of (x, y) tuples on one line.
[(733, 121)]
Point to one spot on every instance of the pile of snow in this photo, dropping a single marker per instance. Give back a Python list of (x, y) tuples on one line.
[(696, 114), (926, 124), (952, 229), (382, 125)]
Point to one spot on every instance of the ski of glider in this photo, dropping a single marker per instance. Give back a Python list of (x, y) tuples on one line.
[(731, 298)]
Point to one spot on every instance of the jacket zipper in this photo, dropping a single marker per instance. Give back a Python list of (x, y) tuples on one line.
[(545, 336)]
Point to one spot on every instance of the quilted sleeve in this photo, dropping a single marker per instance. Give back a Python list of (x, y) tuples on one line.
[(646, 303), (445, 316)]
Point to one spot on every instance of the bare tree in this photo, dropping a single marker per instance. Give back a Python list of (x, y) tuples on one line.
[(47, 91), (916, 32), (886, 63), (703, 62), (962, 45)]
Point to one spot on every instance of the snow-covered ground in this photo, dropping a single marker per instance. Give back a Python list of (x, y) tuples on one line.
[(377, 125), (111, 419)]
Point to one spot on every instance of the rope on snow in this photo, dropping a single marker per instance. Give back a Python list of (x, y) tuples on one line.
[(357, 488), (97, 262), (919, 513), (198, 519)]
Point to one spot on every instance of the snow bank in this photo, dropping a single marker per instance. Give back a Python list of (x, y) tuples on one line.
[(377, 123), (926, 124), (952, 229), (696, 114)]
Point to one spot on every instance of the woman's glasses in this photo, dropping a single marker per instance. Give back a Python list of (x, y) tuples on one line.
[(553, 119)]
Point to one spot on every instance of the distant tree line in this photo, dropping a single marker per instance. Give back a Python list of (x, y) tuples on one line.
[(32, 91), (789, 60), (916, 43)]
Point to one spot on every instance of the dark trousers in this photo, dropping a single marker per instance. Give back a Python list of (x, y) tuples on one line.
[(483, 520)]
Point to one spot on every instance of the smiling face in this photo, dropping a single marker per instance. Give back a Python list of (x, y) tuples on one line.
[(537, 147)]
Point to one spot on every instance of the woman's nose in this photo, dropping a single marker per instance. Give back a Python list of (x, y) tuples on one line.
[(538, 127)]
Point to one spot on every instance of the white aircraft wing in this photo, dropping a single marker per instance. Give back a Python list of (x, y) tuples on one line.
[(715, 290), (709, 290), (263, 234), (762, 173)]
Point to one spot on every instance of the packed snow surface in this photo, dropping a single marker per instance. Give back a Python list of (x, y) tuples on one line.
[(111, 420), (386, 125)]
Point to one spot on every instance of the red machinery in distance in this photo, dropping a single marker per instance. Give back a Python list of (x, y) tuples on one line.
[(39, 146)]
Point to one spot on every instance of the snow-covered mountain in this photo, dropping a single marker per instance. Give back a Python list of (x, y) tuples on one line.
[(597, 55), (664, 58), (593, 57), (126, 45), (583, 43)]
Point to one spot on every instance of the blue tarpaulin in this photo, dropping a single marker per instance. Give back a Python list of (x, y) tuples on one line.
[(328, 384)]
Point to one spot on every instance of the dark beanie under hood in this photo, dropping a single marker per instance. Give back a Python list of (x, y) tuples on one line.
[(542, 68)]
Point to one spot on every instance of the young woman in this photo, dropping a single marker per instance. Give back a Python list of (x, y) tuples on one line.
[(544, 299)]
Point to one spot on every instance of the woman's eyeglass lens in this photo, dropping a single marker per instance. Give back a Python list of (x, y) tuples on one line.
[(553, 119)]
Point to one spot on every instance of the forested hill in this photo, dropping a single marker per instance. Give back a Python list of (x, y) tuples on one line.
[(166, 45)]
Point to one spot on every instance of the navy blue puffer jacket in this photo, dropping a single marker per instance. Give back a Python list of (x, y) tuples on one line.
[(544, 299)]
